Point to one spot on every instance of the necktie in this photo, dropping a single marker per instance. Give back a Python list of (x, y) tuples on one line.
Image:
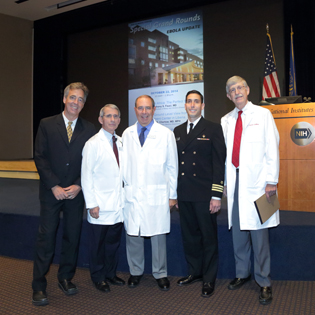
[(190, 127), (115, 149), (69, 130), (237, 140), (141, 136)]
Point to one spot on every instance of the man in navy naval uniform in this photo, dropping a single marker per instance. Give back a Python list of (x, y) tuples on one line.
[(201, 153), (58, 155)]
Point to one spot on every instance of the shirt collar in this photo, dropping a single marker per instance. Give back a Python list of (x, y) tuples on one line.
[(195, 122), (244, 109), (108, 135), (66, 120), (149, 126)]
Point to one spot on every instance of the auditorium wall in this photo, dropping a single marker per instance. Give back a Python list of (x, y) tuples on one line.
[(234, 44), (91, 44), (16, 110)]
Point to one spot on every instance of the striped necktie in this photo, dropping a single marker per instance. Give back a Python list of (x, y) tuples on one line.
[(69, 130)]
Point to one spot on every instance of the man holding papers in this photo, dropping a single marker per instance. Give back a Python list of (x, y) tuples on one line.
[(252, 169)]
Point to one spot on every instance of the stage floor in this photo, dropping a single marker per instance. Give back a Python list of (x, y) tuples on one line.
[(18, 169)]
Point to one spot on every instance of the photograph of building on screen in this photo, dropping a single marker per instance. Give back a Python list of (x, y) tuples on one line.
[(166, 50)]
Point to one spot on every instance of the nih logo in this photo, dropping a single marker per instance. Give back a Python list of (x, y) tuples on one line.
[(302, 133)]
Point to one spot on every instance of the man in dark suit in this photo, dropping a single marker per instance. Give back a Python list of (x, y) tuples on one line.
[(201, 154), (58, 154)]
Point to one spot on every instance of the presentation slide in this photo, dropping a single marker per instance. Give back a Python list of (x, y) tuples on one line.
[(165, 61)]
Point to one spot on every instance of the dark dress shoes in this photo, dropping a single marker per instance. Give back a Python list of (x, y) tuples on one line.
[(207, 289), (40, 298), (163, 283), (116, 281), (102, 286), (238, 282), (134, 281), (265, 296), (67, 287), (188, 280)]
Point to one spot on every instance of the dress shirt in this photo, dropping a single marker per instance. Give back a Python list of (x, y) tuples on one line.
[(190, 122), (66, 120), (109, 136), (149, 126)]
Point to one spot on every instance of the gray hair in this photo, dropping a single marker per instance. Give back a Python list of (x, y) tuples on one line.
[(233, 80), (76, 86), (145, 96), (113, 106)]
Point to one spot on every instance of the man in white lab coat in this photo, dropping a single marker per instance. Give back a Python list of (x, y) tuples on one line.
[(101, 178), (150, 177), (252, 169)]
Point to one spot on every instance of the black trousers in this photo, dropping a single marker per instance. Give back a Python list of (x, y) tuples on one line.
[(200, 241), (46, 239), (104, 242)]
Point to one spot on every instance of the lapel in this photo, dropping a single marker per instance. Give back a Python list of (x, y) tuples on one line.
[(62, 129), (119, 146), (134, 134), (246, 121), (105, 144), (182, 132), (249, 115), (231, 122), (77, 130), (153, 134), (194, 133)]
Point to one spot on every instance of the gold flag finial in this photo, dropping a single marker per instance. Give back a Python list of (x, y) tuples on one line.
[(291, 30), (267, 28)]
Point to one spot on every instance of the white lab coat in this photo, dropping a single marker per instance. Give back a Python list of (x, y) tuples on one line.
[(258, 163), (101, 179), (150, 176)]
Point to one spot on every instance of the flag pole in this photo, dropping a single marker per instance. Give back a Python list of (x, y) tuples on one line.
[(292, 84), (267, 28)]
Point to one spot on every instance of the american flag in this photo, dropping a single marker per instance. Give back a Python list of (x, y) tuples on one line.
[(271, 86)]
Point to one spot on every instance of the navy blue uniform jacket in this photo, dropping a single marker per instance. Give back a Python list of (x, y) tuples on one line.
[(201, 157)]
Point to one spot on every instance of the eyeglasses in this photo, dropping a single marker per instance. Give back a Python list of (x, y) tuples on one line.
[(238, 88), (110, 116)]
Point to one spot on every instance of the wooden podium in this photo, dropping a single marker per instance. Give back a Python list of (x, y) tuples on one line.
[(296, 126)]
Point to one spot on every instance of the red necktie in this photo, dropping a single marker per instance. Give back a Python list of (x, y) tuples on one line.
[(115, 149), (237, 140)]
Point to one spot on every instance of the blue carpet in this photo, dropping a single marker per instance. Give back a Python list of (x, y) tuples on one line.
[(292, 242)]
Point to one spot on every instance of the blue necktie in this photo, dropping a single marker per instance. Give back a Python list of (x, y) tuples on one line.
[(141, 136)]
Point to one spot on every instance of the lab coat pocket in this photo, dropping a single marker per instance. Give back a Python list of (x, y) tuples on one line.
[(157, 195), (108, 200), (255, 176)]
